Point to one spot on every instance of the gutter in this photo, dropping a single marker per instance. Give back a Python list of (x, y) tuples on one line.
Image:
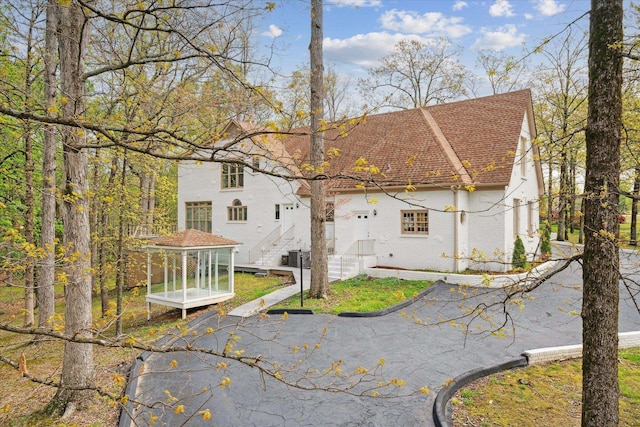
[(456, 214)]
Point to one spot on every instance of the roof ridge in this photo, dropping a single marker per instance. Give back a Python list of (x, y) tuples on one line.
[(450, 153)]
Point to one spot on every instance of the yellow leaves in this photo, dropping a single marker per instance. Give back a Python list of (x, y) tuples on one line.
[(425, 390), (124, 399), (470, 188), (333, 152), (64, 100), (173, 363), (372, 200), (375, 393), (221, 365), (381, 362), (179, 409), (118, 379), (6, 408), (409, 188), (130, 341), (270, 6), (295, 349), (206, 414), (284, 316), (278, 376), (360, 370), (152, 419), (398, 382), (410, 160), (448, 382), (53, 109), (209, 330), (226, 381), (170, 398), (449, 208)]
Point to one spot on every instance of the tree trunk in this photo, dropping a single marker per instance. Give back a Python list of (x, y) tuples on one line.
[(550, 194), (77, 365), (319, 267), (601, 257), (120, 263), (562, 198), (46, 295), (633, 233)]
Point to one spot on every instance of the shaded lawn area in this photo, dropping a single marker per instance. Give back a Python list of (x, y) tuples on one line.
[(360, 294), (22, 399), (542, 395)]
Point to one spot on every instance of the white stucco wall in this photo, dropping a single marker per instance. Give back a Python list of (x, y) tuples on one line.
[(394, 249), (260, 193)]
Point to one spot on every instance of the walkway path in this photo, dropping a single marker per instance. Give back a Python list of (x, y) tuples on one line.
[(418, 355), (269, 300)]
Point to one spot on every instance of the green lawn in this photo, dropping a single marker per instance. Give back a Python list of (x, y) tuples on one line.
[(542, 395), (360, 294)]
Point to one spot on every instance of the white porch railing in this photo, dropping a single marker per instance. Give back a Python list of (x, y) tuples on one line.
[(358, 249)]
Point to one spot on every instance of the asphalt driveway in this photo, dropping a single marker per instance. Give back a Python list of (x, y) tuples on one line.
[(417, 355)]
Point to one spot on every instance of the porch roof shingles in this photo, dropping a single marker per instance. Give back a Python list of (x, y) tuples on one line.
[(481, 132), (192, 238)]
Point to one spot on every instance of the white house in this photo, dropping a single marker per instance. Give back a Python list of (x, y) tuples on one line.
[(446, 187)]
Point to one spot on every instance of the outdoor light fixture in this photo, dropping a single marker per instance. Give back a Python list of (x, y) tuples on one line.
[(297, 205), (375, 212)]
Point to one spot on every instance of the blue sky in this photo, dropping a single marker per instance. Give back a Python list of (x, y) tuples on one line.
[(359, 32)]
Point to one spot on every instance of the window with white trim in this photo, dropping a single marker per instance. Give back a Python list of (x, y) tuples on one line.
[(232, 176), (530, 218), (415, 222), (198, 216), (236, 212), (516, 217), (277, 212)]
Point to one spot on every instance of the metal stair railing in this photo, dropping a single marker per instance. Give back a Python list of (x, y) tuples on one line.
[(358, 249), (265, 245), (256, 250)]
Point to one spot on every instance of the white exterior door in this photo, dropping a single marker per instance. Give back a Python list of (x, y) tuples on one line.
[(361, 225), (287, 217)]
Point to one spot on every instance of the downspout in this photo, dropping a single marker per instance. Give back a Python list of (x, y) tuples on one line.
[(455, 229)]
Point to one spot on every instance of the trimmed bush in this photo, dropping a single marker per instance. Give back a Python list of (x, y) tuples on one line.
[(519, 257)]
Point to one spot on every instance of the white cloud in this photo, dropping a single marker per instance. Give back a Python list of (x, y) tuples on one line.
[(354, 3), (364, 49), (459, 5), (501, 8), (502, 38), (410, 22), (274, 32), (549, 7)]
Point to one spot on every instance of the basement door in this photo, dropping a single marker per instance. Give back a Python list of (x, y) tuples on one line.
[(361, 229)]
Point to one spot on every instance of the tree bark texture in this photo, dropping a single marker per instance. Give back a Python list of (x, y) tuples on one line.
[(319, 265), (601, 256), (77, 365), (46, 297)]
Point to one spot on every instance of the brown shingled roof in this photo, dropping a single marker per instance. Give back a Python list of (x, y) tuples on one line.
[(192, 238), (471, 141)]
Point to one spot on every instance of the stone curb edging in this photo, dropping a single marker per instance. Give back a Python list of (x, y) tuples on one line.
[(393, 308), (444, 395), (529, 357), (125, 420)]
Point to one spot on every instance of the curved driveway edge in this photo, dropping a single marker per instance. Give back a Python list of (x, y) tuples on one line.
[(440, 417), (393, 308), (529, 357)]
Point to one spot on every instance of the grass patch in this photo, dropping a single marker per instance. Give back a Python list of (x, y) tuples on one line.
[(360, 294), (542, 395), (22, 399)]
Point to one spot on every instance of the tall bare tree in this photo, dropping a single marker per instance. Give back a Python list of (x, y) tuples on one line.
[(77, 367), (600, 265), (46, 301), (416, 74), (319, 265)]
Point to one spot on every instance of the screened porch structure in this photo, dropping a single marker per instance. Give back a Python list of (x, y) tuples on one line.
[(189, 269)]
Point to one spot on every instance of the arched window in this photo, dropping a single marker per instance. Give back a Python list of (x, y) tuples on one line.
[(236, 212)]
